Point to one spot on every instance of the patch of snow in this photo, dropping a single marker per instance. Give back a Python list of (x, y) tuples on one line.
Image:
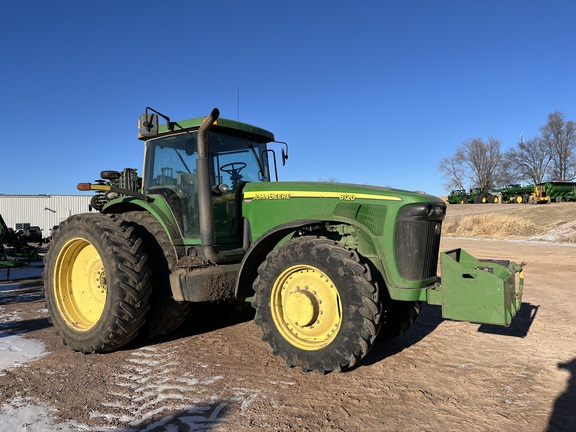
[(15, 351), (28, 414)]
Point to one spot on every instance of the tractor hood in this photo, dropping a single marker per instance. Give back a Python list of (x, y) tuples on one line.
[(270, 204), (328, 190)]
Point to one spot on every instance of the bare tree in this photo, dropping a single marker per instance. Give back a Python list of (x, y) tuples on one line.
[(559, 137), (475, 161), (508, 172), (453, 172), (481, 159), (527, 163)]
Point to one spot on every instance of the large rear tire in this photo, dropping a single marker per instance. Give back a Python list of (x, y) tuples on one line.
[(316, 304), (96, 282), (166, 314)]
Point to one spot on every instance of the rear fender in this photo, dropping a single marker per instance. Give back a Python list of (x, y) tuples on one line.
[(167, 220)]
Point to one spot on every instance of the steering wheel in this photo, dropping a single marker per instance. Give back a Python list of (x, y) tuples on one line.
[(233, 168)]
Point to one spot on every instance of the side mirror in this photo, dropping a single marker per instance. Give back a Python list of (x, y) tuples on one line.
[(148, 125)]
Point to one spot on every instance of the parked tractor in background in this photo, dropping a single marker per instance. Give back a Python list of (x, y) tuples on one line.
[(514, 193), (539, 195), (474, 196), (458, 196), (481, 196), (327, 267)]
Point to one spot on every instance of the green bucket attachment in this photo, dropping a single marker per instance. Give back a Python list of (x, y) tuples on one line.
[(481, 291)]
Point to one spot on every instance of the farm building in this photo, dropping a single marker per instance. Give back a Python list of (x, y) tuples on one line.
[(44, 211)]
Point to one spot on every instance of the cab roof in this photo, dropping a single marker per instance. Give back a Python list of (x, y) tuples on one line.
[(255, 133)]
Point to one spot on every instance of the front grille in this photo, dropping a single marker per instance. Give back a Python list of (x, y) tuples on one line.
[(417, 241)]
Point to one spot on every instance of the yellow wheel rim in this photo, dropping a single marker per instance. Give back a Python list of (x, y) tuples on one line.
[(80, 284), (306, 307), (519, 200)]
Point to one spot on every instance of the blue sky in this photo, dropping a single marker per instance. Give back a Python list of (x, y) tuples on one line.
[(368, 92)]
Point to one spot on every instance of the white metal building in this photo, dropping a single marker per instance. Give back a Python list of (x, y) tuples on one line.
[(44, 211)]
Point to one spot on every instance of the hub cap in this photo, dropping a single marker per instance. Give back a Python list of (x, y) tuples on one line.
[(80, 284), (306, 307)]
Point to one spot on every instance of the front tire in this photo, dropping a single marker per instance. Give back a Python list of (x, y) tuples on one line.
[(316, 304), (96, 282)]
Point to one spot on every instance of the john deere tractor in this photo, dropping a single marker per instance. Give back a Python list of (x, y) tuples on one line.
[(328, 267)]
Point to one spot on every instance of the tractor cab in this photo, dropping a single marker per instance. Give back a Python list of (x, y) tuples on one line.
[(235, 154)]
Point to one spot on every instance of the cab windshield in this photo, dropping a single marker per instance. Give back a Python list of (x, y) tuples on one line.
[(170, 171)]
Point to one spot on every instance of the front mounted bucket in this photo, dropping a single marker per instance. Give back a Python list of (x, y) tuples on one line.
[(481, 291)]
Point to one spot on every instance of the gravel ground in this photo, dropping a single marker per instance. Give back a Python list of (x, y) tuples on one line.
[(216, 374)]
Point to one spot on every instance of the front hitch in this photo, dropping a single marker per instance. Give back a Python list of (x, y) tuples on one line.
[(481, 291)]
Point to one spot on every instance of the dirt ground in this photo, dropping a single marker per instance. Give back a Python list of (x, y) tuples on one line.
[(218, 375)]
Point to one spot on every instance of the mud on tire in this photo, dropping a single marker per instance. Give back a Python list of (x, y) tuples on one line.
[(165, 314)]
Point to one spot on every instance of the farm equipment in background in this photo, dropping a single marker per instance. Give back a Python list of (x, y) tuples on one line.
[(458, 196), (14, 247), (474, 196), (327, 267), (481, 196), (561, 191), (30, 234), (539, 195), (514, 193)]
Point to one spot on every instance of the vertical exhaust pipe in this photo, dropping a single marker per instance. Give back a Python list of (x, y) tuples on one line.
[(205, 195), (205, 189)]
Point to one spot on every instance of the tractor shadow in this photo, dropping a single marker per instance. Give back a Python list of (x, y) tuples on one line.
[(431, 317), (202, 417), (208, 316), (519, 327), (26, 291), (29, 291), (204, 317), (10, 328)]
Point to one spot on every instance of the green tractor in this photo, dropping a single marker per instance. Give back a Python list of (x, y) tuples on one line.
[(475, 196), (515, 193), (458, 196), (327, 267)]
